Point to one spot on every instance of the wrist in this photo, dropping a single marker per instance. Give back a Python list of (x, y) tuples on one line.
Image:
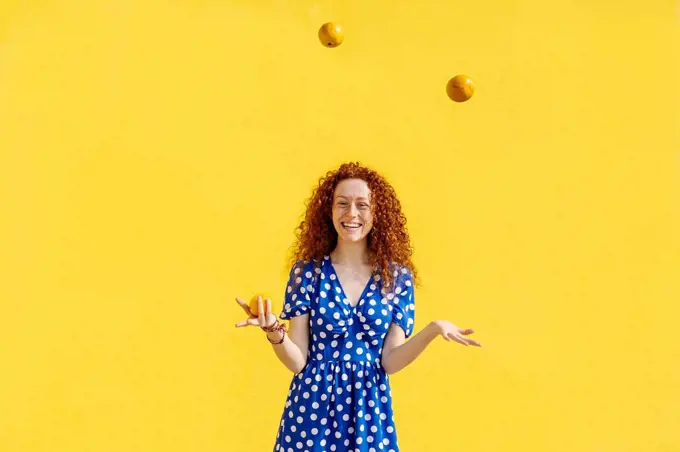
[(275, 335), (434, 329)]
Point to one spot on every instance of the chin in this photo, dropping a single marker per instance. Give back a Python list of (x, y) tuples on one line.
[(353, 239)]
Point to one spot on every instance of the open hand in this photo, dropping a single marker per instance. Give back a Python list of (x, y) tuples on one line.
[(265, 318), (451, 332)]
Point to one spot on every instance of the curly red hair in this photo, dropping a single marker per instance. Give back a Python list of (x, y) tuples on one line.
[(388, 241)]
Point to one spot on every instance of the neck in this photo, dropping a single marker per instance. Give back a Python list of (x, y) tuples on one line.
[(351, 253)]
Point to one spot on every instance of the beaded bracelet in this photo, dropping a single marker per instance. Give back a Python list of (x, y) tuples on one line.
[(276, 327)]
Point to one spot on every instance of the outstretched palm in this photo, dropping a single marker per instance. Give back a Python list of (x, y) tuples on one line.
[(451, 332)]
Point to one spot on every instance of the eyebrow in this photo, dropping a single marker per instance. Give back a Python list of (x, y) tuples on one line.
[(360, 198)]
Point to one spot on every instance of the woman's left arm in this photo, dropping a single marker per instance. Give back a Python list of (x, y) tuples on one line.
[(398, 353)]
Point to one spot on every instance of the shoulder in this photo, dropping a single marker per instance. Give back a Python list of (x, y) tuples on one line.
[(306, 268), (402, 280), (401, 273)]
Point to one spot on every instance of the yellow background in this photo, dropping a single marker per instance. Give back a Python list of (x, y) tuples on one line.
[(155, 158)]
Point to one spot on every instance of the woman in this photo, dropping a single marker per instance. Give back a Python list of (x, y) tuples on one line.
[(351, 307)]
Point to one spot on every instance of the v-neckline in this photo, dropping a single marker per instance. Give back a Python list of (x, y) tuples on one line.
[(345, 297)]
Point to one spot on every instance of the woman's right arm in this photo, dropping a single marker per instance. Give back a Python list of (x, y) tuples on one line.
[(292, 352)]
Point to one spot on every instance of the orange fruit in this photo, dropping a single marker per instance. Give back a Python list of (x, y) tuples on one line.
[(460, 88), (331, 34), (253, 304)]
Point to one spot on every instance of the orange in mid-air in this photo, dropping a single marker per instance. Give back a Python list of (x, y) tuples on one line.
[(460, 88), (331, 34)]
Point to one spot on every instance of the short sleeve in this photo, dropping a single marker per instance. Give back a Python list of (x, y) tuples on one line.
[(403, 303), (297, 299)]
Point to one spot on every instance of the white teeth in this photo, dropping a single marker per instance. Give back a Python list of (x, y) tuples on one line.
[(351, 225)]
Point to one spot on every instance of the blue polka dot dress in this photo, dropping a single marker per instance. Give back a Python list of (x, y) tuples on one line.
[(341, 401)]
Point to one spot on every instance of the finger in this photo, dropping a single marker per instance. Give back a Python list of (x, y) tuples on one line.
[(260, 311), (269, 306), (469, 341), (473, 342), (245, 307), (463, 339), (246, 322), (458, 339)]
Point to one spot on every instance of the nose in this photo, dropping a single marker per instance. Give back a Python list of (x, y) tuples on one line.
[(353, 211)]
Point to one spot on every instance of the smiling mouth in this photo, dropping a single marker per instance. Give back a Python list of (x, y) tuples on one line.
[(351, 226)]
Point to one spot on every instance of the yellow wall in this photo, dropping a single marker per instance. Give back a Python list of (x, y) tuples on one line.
[(154, 161)]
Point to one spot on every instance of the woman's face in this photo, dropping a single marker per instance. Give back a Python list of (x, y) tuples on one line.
[(352, 215)]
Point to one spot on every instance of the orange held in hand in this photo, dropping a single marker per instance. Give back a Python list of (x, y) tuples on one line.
[(460, 88), (331, 35), (253, 304)]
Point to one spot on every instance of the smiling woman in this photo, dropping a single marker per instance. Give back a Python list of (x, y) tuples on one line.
[(351, 305)]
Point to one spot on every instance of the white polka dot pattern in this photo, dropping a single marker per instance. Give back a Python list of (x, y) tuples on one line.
[(341, 400)]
